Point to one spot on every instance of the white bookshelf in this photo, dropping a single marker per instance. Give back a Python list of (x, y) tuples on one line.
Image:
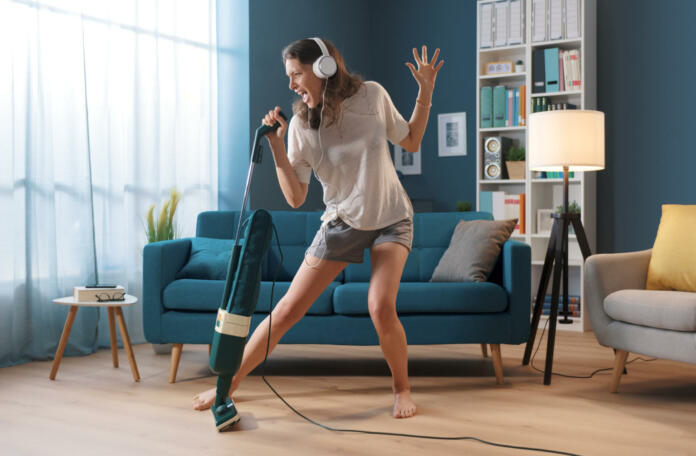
[(543, 193)]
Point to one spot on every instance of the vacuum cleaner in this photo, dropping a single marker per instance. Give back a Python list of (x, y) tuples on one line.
[(240, 296)]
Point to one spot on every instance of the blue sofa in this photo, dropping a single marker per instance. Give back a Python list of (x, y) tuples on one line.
[(183, 311)]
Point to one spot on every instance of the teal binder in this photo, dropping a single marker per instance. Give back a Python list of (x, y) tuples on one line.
[(499, 103), (551, 69), (486, 202), (486, 107)]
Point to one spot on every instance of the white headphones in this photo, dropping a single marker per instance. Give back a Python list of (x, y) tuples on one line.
[(325, 66)]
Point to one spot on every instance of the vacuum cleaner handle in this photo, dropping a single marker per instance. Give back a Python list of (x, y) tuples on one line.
[(264, 129), (260, 133)]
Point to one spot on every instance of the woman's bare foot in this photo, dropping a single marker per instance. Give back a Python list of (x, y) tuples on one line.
[(204, 400), (404, 406)]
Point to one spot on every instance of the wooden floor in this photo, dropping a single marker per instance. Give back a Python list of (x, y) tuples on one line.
[(93, 408)]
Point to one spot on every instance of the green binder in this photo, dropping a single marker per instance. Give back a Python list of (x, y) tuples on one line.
[(486, 107), (499, 102)]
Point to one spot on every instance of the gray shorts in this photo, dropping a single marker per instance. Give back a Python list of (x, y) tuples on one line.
[(338, 241)]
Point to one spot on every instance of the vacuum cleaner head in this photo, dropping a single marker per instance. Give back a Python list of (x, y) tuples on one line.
[(225, 415)]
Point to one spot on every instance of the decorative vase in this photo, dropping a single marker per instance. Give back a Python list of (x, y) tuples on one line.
[(516, 169)]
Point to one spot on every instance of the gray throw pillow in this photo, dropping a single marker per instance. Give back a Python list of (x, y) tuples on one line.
[(473, 250)]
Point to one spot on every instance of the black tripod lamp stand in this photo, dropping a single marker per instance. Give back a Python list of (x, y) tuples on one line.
[(567, 140)]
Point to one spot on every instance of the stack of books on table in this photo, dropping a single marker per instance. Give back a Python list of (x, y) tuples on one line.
[(91, 294), (573, 305)]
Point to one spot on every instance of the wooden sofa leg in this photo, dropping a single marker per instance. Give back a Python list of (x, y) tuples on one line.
[(484, 350), (619, 364), (497, 363), (174, 366)]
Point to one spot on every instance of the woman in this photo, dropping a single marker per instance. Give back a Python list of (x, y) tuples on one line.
[(339, 131)]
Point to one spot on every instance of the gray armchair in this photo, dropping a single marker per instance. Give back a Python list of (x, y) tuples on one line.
[(628, 318)]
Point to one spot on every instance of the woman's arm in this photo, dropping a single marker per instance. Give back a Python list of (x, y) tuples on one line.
[(425, 76), (295, 192)]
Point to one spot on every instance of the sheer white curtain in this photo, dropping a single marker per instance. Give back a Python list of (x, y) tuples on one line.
[(104, 107)]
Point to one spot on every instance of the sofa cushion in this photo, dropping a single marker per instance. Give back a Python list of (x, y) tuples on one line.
[(473, 250), (426, 298), (431, 236), (673, 259), (205, 295), (675, 310), (322, 306), (209, 259)]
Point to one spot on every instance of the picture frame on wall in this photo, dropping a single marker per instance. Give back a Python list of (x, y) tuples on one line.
[(409, 163), (451, 134)]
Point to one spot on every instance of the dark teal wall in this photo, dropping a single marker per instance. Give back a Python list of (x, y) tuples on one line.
[(376, 38), (645, 71), (398, 27), (273, 25), (645, 74)]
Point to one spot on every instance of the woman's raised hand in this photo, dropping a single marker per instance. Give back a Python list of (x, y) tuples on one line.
[(270, 119), (426, 73)]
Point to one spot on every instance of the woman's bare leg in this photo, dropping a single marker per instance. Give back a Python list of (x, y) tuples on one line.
[(388, 260), (309, 282)]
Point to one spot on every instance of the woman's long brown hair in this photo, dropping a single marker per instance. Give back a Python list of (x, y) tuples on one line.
[(340, 86)]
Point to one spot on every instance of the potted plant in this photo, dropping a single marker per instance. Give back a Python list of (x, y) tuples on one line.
[(164, 227), (463, 206), (519, 66), (515, 162), (573, 208)]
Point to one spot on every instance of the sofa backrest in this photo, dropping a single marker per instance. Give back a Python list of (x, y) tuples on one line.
[(432, 232), (296, 230)]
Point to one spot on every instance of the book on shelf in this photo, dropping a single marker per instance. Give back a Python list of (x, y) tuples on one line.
[(493, 202), (538, 76), (574, 70), (571, 313), (505, 207), (556, 19), (522, 106), (486, 107), (544, 104), (514, 209), (551, 69), (572, 307), (556, 70), (552, 174), (499, 99), (502, 106), (572, 299)]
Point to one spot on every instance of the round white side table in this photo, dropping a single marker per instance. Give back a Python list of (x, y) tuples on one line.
[(113, 308)]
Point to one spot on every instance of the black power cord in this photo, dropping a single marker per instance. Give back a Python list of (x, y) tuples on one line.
[(592, 374), (358, 431)]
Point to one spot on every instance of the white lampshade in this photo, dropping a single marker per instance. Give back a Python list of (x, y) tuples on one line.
[(572, 138)]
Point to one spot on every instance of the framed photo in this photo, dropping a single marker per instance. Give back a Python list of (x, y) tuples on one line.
[(407, 162), (544, 221), (451, 134)]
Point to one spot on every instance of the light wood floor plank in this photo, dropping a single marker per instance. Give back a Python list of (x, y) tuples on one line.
[(93, 408)]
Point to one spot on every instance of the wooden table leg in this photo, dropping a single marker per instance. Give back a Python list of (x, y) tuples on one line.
[(126, 342), (484, 350), (112, 334), (63, 341), (497, 363)]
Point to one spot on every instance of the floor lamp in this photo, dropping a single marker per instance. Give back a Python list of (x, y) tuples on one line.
[(567, 140)]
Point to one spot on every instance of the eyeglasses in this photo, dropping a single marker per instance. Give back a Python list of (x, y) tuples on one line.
[(105, 297)]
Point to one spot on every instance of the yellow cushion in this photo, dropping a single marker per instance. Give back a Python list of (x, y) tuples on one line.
[(673, 260)]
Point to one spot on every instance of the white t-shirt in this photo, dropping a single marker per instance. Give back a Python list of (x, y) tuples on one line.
[(356, 170)]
